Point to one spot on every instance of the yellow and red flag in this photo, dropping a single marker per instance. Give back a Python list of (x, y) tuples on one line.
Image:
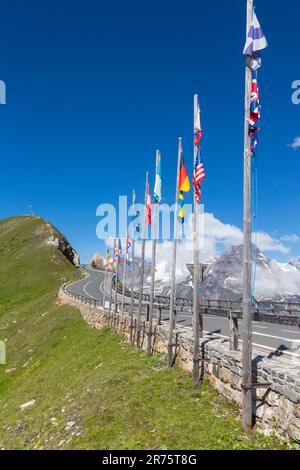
[(184, 183)]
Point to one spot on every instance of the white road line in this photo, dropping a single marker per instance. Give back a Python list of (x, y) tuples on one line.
[(263, 327), (276, 337), (258, 345), (292, 331), (86, 293)]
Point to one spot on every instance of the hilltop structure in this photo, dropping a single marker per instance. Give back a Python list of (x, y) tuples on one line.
[(97, 261)]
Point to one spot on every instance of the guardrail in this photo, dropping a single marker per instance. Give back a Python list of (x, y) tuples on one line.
[(283, 313)]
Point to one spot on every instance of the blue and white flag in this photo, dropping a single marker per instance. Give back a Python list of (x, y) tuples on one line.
[(255, 43), (157, 186)]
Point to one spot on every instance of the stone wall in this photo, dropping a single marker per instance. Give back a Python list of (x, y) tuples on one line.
[(276, 407)]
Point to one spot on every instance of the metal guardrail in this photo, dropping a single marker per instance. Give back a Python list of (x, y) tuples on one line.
[(284, 313)]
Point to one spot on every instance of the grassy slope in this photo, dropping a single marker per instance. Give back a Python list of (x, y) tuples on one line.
[(115, 396)]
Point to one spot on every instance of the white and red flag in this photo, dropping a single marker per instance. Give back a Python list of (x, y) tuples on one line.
[(148, 205)]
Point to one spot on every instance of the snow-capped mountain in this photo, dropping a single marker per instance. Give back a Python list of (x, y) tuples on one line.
[(224, 277)]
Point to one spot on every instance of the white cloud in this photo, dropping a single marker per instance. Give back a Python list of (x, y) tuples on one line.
[(217, 238), (292, 238), (295, 144), (281, 279)]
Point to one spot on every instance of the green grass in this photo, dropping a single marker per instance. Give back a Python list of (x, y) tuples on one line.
[(116, 396)]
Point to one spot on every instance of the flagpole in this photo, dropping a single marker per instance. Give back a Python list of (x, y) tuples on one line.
[(247, 265), (116, 283), (103, 304), (153, 263), (124, 282), (132, 272), (111, 287), (196, 281), (174, 255), (139, 314)]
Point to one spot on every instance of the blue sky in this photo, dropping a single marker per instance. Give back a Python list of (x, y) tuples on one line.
[(93, 88)]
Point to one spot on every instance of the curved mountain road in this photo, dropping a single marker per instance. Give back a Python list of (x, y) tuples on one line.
[(276, 339)]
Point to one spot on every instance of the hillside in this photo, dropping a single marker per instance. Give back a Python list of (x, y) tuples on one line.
[(68, 386)]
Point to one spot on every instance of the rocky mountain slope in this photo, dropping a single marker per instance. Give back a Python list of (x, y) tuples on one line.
[(223, 279)]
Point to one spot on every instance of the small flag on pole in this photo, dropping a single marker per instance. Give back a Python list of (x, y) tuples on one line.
[(181, 211), (128, 246), (184, 187), (148, 206), (255, 43), (199, 173), (116, 254), (184, 183), (108, 264), (255, 112), (157, 186)]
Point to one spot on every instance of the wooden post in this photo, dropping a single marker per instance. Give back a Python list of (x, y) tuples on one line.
[(233, 331), (247, 266), (111, 291), (124, 283), (174, 254), (139, 313), (153, 265), (196, 282), (132, 273), (103, 304)]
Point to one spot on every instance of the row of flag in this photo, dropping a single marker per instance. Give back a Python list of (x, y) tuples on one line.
[(183, 187), (118, 252), (255, 43)]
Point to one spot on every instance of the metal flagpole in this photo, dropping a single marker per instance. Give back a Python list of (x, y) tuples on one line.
[(139, 314), (247, 265), (196, 310), (124, 283), (174, 253), (153, 264), (116, 284), (132, 272)]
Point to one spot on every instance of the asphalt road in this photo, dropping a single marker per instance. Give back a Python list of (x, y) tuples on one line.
[(275, 339)]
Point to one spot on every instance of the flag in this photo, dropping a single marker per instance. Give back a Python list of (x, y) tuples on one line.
[(255, 112), (157, 186), (199, 173), (148, 206), (255, 43), (128, 246), (184, 183), (181, 211), (116, 254), (108, 263)]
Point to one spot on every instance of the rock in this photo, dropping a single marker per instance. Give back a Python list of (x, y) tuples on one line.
[(295, 433), (54, 421), (70, 424), (27, 405), (8, 371)]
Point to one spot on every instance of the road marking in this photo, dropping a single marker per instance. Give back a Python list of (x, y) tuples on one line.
[(292, 331), (86, 293), (263, 327), (276, 337), (217, 335)]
